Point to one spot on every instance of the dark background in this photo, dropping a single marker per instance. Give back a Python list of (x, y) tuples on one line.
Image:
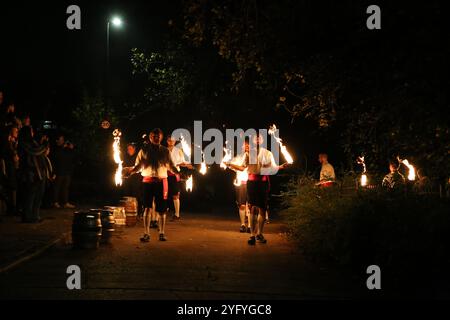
[(44, 67)]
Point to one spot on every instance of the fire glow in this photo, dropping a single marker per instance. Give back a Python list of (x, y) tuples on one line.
[(227, 157), (117, 158), (364, 181), (186, 148), (203, 165), (284, 151), (189, 184), (241, 176), (412, 170)]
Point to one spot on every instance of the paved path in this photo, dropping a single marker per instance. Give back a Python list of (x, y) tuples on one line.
[(205, 257)]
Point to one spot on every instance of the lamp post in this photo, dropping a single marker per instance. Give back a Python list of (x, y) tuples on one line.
[(116, 22)]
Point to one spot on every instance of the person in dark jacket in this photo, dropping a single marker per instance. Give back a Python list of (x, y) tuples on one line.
[(11, 161), (35, 170), (132, 186), (63, 163)]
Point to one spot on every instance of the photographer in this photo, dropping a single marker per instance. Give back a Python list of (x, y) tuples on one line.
[(63, 163)]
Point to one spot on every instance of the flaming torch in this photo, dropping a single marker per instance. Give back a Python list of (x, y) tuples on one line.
[(272, 130), (412, 170), (189, 184), (227, 157), (186, 148), (241, 176), (117, 158), (360, 161), (203, 165)]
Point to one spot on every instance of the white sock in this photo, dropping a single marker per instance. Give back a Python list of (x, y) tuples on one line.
[(242, 214), (176, 205)]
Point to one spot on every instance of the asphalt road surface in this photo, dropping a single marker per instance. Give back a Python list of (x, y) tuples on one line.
[(205, 257)]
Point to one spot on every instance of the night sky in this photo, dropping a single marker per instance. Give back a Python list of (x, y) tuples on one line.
[(44, 67), (43, 63)]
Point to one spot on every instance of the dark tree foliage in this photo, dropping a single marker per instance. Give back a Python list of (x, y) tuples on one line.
[(383, 92)]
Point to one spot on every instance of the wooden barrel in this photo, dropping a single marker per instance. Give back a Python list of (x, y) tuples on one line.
[(129, 203), (86, 229), (119, 215), (108, 224)]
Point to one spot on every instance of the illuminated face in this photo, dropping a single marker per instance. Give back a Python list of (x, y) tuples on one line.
[(392, 168), (171, 142), (155, 138), (15, 133), (60, 141), (11, 108), (323, 158), (131, 150), (246, 147), (258, 140)]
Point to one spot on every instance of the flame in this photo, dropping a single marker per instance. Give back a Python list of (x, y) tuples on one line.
[(412, 170), (227, 157), (284, 151), (186, 147), (189, 184), (117, 158), (203, 168), (241, 176), (364, 179)]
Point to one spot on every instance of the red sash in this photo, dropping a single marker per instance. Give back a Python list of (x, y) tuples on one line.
[(155, 180), (174, 174), (257, 177)]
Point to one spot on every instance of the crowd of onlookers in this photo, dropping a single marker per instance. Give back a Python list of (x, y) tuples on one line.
[(34, 165)]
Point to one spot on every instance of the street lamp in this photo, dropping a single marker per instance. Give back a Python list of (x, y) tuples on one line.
[(116, 22)]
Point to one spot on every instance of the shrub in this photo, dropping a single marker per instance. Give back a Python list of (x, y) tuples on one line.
[(406, 235)]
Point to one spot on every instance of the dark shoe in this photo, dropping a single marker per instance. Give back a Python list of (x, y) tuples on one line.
[(175, 218), (252, 241), (145, 238), (242, 229), (248, 230), (261, 238), (267, 221), (162, 237)]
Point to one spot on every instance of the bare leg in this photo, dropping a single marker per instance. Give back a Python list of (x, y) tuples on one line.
[(154, 215), (247, 212), (176, 205), (147, 215), (242, 214), (261, 221), (254, 211), (162, 222)]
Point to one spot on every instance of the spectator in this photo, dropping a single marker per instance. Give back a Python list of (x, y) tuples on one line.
[(132, 185), (327, 171), (10, 116), (35, 171), (11, 163), (26, 120), (394, 180), (2, 97), (63, 161)]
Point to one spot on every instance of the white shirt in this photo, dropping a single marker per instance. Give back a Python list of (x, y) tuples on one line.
[(177, 156), (266, 164), (161, 172), (327, 173)]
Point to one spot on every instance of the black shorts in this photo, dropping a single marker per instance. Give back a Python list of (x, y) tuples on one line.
[(174, 186), (241, 195), (258, 193), (154, 191)]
